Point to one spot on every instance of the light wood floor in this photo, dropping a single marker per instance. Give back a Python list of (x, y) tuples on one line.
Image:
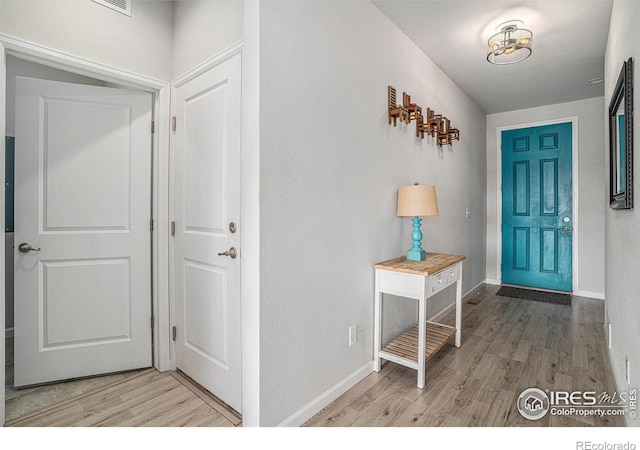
[(147, 399), (508, 345)]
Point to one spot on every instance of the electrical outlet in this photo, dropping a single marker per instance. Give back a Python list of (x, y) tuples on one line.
[(353, 334), (628, 370), (467, 213)]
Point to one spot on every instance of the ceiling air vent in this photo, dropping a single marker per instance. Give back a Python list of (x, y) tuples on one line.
[(123, 6)]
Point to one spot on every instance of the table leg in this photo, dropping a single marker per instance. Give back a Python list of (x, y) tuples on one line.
[(422, 339), (377, 324), (458, 339)]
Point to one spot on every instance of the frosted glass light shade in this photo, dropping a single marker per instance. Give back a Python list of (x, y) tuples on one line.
[(417, 201)]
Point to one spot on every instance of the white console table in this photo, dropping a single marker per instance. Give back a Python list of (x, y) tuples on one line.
[(417, 280)]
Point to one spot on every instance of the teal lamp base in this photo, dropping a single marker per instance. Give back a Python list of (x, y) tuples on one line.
[(416, 253)]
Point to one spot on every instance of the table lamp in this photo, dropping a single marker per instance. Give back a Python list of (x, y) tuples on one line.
[(417, 201)]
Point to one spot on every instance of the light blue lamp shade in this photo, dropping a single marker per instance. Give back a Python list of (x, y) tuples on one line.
[(417, 201)]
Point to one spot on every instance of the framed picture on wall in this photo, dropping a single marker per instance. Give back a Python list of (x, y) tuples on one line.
[(621, 140)]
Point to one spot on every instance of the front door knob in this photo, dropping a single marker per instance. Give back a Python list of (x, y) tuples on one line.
[(231, 252), (26, 248)]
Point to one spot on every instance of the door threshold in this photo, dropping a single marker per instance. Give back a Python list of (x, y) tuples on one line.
[(537, 289)]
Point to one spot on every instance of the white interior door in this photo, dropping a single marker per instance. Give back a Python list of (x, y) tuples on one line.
[(206, 203), (83, 190)]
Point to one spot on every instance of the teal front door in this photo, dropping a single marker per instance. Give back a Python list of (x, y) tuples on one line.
[(537, 221)]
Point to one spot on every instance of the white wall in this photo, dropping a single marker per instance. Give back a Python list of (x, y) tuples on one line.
[(591, 195), (330, 170), (622, 230), (202, 29), (141, 44)]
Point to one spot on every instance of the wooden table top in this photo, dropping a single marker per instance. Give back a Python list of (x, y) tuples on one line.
[(435, 262)]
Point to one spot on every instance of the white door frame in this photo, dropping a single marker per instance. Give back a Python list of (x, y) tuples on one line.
[(574, 193), (160, 174)]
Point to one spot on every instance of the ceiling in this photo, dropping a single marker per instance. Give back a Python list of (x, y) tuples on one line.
[(569, 40)]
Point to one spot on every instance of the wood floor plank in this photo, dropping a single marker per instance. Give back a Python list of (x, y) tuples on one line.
[(208, 398), (508, 345), (150, 399), (385, 405), (348, 412), (62, 417), (421, 401), (498, 411), (165, 406)]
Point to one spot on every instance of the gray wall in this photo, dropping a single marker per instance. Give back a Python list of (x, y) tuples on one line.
[(622, 231), (203, 28), (141, 43), (330, 167), (590, 177)]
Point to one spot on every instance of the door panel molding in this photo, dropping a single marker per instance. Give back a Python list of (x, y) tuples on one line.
[(521, 188), (549, 239), (521, 247), (105, 327), (524, 146)]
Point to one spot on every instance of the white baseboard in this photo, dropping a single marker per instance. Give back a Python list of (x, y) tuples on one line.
[(474, 288), (618, 380), (443, 312), (493, 281), (314, 406), (596, 295), (447, 309), (8, 333)]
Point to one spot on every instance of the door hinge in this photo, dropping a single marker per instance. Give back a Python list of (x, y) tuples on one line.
[(174, 332), (153, 126), (151, 225), (173, 123), (173, 228)]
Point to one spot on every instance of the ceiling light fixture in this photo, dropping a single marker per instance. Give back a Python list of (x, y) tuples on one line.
[(510, 45)]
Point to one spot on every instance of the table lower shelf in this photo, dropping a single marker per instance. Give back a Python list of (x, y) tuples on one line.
[(405, 346)]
